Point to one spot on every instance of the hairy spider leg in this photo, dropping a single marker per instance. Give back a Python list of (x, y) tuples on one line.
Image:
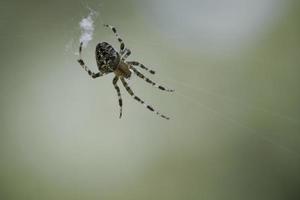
[(139, 74), (128, 89), (122, 44), (115, 80), (81, 62), (135, 63)]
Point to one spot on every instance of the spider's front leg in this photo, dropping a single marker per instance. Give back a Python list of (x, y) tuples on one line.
[(115, 80), (128, 89), (135, 63), (82, 64), (142, 76)]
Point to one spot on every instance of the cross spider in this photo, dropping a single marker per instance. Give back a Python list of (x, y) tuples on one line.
[(109, 60)]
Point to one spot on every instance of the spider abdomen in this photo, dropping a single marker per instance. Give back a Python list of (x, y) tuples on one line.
[(107, 58)]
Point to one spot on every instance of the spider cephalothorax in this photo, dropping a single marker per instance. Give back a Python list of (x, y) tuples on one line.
[(109, 60)]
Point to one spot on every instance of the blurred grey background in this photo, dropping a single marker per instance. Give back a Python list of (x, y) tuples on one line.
[(235, 115)]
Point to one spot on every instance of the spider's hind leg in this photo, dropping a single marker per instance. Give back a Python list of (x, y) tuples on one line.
[(139, 74), (122, 44), (126, 53), (83, 65), (128, 89)]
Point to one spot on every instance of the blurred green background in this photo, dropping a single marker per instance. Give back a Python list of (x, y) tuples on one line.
[(235, 115)]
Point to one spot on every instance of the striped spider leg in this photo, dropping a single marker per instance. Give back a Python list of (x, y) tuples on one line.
[(115, 80), (122, 44), (128, 89), (135, 63), (124, 52), (142, 76), (83, 65)]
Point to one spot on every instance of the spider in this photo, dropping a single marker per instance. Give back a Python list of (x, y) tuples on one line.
[(109, 60)]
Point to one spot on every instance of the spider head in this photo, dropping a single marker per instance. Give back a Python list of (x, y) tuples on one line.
[(107, 57)]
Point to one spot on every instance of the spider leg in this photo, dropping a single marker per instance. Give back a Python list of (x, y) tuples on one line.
[(115, 80), (81, 62), (139, 74), (126, 53), (128, 89), (135, 63), (122, 44)]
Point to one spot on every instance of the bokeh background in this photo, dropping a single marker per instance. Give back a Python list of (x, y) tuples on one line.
[(235, 115)]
